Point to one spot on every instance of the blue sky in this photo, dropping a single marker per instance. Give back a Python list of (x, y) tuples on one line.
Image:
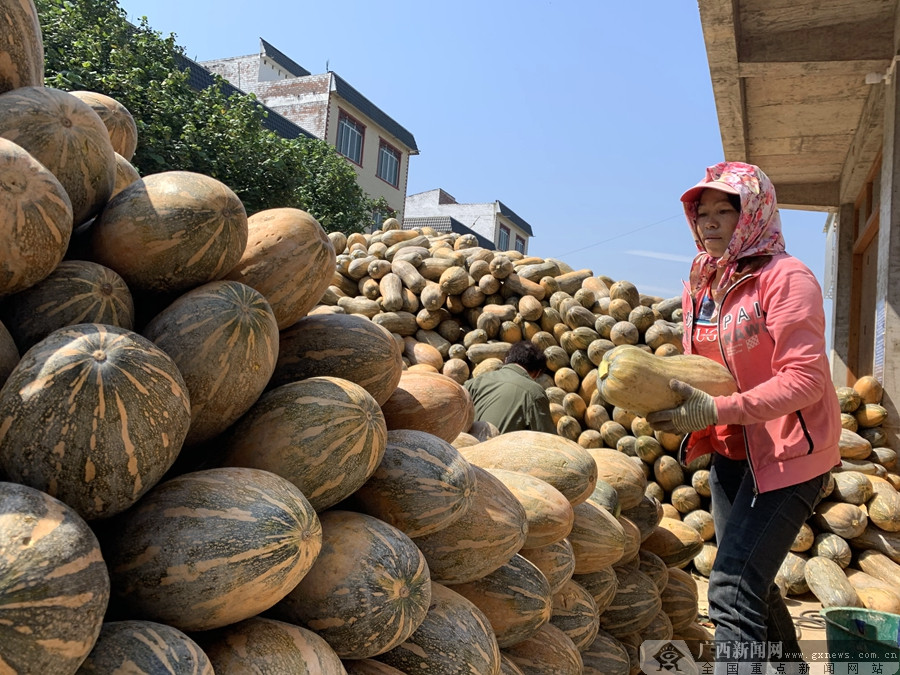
[(587, 118)]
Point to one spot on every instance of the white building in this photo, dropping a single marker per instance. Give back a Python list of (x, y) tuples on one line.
[(492, 221)]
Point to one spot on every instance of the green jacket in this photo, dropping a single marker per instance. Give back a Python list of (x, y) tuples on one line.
[(510, 400)]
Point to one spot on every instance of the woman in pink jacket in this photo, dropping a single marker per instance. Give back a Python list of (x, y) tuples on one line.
[(758, 311)]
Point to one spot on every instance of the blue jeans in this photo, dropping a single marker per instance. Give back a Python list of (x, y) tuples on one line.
[(753, 538)]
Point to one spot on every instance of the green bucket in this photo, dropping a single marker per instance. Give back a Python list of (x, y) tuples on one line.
[(864, 634)]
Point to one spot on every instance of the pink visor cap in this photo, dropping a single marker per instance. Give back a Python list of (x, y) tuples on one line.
[(693, 194)]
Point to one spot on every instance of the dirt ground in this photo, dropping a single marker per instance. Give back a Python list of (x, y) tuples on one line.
[(804, 609)]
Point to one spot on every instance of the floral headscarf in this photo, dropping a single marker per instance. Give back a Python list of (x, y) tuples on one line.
[(758, 230)]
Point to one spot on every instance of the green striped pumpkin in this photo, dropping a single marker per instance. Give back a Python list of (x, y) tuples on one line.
[(646, 515), (660, 628), (515, 598), (113, 410), (602, 586), (421, 486), (145, 648), (674, 541), (550, 515), (126, 174), (21, 46), (488, 535), (632, 644), (563, 463), (9, 354), (884, 509), (117, 119), (620, 471), (575, 614), (75, 292), (827, 581), (369, 667), (507, 667), (261, 645), (66, 136), (548, 652), (224, 340), (556, 561), (851, 487), (170, 232), (55, 585), (634, 605), (348, 346), (210, 548), (654, 567), (35, 219), (597, 538), (289, 259), (632, 542), (368, 590), (606, 656), (832, 546), (454, 639), (679, 599), (325, 435), (606, 496)]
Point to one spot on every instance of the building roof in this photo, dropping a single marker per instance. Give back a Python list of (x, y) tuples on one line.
[(798, 90), (373, 112), (446, 224), (519, 222), (283, 60), (200, 78)]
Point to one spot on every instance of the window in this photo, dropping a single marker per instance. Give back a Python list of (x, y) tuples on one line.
[(350, 138), (388, 168), (520, 244), (503, 241)]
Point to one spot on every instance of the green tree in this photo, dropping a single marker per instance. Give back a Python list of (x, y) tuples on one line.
[(90, 45)]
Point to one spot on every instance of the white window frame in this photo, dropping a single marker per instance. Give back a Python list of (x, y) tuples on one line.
[(504, 234), (386, 153), (351, 136)]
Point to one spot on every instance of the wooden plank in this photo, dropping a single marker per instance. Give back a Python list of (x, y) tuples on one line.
[(790, 119), (869, 232), (826, 69), (790, 15), (807, 167), (719, 33), (807, 196), (809, 141), (848, 30)]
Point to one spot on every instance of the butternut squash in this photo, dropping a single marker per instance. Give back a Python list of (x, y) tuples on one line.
[(638, 381)]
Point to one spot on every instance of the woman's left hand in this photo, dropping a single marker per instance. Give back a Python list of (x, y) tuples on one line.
[(697, 412)]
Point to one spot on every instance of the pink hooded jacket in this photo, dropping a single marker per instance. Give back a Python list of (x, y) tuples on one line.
[(771, 327)]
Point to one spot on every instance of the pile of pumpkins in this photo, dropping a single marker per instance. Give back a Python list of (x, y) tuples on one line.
[(848, 553), (207, 464), (233, 443)]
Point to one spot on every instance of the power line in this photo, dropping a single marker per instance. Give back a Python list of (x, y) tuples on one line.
[(618, 236)]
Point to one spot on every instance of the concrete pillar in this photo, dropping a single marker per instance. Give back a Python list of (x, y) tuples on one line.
[(841, 295), (887, 298)]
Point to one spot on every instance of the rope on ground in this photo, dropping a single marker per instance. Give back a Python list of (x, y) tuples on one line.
[(809, 618)]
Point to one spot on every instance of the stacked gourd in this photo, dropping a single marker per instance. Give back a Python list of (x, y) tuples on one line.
[(848, 553), (208, 469)]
